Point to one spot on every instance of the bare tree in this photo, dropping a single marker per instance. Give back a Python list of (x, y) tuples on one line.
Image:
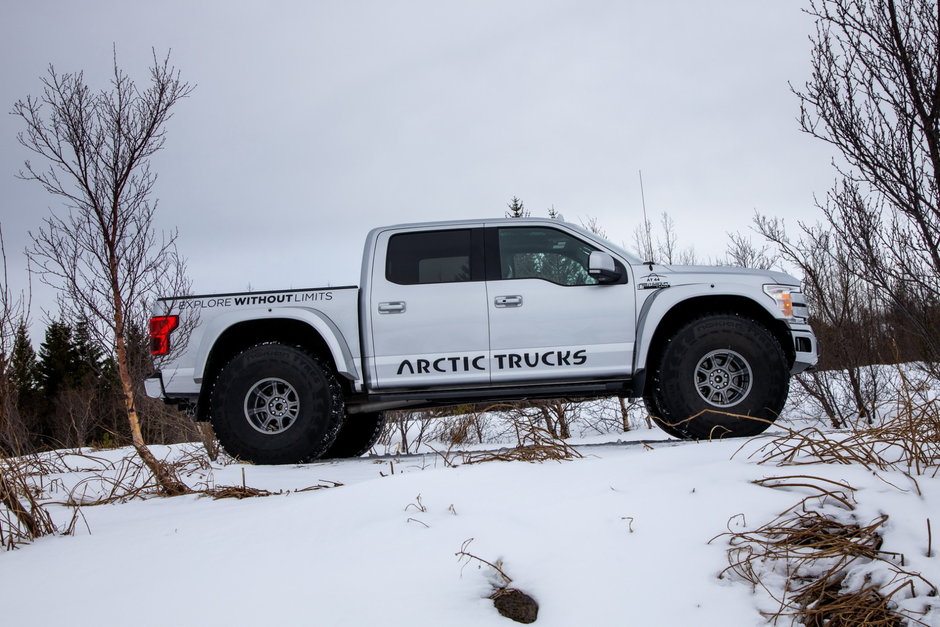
[(875, 96), (643, 241), (847, 319), (666, 249), (744, 253), (668, 245), (593, 225), (102, 250)]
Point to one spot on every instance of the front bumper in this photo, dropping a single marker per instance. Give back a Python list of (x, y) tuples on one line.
[(805, 348)]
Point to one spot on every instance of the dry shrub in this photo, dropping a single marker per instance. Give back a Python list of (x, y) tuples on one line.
[(909, 440), (245, 491), (404, 431), (825, 605), (461, 429), (236, 492), (557, 416), (828, 561), (24, 484), (113, 482), (103, 480), (22, 516), (536, 444)]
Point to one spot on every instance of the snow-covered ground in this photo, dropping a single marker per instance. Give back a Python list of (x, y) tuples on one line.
[(629, 534)]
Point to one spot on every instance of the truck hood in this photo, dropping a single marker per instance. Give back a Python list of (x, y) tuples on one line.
[(703, 274)]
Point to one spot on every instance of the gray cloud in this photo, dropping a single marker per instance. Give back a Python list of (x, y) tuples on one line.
[(314, 121)]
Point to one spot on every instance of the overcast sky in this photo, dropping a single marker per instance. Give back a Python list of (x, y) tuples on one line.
[(312, 122)]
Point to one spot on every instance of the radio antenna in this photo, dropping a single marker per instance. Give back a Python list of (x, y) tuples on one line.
[(646, 222)]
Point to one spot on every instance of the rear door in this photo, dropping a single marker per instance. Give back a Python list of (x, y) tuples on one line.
[(549, 319), (428, 309)]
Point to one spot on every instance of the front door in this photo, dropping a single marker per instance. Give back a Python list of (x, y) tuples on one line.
[(549, 319), (428, 309)]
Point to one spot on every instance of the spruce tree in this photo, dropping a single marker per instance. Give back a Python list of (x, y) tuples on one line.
[(58, 361), (23, 361), (18, 391), (88, 356), (24, 372), (517, 209), (56, 372)]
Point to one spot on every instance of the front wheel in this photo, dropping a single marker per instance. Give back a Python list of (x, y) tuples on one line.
[(719, 376), (276, 404)]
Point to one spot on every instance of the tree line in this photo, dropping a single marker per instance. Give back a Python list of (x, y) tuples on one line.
[(69, 393)]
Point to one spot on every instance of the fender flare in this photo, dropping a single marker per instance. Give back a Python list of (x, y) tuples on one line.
[(333, 338), (659, 304)]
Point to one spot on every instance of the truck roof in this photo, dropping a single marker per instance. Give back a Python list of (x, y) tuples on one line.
[(479, 221)]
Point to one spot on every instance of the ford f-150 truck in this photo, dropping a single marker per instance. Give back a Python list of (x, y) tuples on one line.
[(479, 311)]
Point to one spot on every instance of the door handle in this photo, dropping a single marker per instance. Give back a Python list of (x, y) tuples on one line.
[(397, 306), (508, 301)]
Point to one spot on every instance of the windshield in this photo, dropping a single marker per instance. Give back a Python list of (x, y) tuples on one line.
[(631, 257)]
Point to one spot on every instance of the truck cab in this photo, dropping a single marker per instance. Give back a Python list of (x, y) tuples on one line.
[(497, 304)]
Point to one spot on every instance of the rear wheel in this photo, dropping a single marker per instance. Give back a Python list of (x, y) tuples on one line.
[(719, 376), (276, 404), (357, 435)]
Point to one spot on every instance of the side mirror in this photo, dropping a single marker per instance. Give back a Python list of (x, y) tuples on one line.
[(602, 267)]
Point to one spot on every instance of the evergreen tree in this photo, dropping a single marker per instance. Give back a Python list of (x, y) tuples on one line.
[(88, 356), (112, 420), (516, 209), (58, 360), (18, 392), (24, 372)]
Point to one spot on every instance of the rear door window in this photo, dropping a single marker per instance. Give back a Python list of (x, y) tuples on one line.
[(431, 257)]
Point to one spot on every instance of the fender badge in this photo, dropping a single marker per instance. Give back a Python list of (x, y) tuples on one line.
[(652, 282)]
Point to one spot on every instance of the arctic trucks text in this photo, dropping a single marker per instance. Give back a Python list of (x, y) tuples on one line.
[(482, 310)]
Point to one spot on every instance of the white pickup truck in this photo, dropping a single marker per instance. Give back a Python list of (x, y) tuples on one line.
[(475, 311)]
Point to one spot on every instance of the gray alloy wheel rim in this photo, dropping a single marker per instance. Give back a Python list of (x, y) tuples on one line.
[(272, 406), (723, 378)]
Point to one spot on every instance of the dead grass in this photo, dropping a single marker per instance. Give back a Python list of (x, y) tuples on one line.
[(536, 444), (22, 516), (236, 492), (825, 605), (31, 484), (909, 441), (826, 559)]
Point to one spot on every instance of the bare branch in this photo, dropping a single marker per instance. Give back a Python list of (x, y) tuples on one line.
[(875, 96)]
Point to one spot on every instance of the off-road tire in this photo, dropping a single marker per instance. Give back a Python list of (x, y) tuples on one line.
[(357, 435), (276, 404), (750, 385), (654, 412)]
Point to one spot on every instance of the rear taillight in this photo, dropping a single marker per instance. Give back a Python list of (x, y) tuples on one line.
[(160, 329)]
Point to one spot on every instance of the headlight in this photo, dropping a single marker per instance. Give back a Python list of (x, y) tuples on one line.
[(783, 296)]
